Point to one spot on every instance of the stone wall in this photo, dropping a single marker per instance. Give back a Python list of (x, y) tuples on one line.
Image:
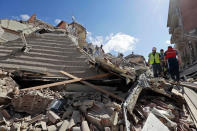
[(188, 52)]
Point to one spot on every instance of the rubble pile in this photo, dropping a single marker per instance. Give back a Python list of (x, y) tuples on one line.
[(172, 114), (36, 110), (94, 111), (33, 102), (53, 54), (8, 87)]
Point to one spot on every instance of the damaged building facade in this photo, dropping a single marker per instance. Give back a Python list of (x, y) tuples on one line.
[(182, 25)]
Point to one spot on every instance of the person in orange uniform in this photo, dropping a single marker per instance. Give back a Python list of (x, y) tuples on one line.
[(172, 59)]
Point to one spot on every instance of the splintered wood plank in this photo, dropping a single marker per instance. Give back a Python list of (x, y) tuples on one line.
[(185, 84), (67, 74), (189, 85), (65, 82), (93, 86), (192, 108), (192, 95), (52, 84)]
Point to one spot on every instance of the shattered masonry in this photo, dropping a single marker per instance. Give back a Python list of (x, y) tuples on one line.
[(51, 80)]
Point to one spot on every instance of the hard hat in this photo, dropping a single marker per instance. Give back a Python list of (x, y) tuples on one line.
[(154, 48)]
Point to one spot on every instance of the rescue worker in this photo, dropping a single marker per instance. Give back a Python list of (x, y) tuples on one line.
[(99, 52), (162, 62), (172, 59), (85, 48), (161, 54), (101, 48), (154, 60)]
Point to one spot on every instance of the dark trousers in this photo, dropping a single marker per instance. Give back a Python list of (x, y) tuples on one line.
[(163, 68), (156, 69), (173, 66)]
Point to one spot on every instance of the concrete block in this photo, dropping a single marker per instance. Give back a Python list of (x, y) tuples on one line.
[(76, 129), (64, 125), (43, 125), (53, 117), (52, 128), (84, 126), (107, 129)]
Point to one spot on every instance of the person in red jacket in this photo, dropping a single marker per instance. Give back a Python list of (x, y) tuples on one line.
[(172, 59)]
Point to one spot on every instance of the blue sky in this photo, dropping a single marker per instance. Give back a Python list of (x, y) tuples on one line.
[(121, 25)]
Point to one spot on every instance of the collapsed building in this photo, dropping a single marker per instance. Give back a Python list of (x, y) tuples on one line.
[(182, 25), (52, 79)]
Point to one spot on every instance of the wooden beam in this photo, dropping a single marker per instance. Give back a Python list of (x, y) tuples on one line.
[(66, 82), (185, 84), (190, 97), (68, 74), (93, 86), (189, 85), (52, 84)]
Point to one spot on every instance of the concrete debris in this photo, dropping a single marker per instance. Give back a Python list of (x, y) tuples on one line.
[(54, 118), (5, 114), (76, 129), (86, 111), (107, 129), (52, 128), (36, 118), (43, 125), (33, 102), (84, 126), (8, 88), (59, 124), (153, 124), (146, 104), (64, 125), (133, 98), (169, 122), (75, 119)]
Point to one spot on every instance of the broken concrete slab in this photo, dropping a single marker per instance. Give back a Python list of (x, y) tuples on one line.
[(36, 118), (154, 124), (76, 129), (114, 118), (67, 113), (52, 128), (59, 124), (94, 120), (84, 126), (8, 88), (132, 99), (74, 119), (33, 102), (107, 129), (64, 125), (43, 125)]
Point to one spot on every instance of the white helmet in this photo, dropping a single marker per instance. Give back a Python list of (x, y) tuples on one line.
[(154, 49)]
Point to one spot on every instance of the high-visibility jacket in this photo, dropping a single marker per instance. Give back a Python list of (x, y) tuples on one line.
[(154, 58)]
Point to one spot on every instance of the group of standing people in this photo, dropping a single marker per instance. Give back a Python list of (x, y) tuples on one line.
[(165, 62)]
